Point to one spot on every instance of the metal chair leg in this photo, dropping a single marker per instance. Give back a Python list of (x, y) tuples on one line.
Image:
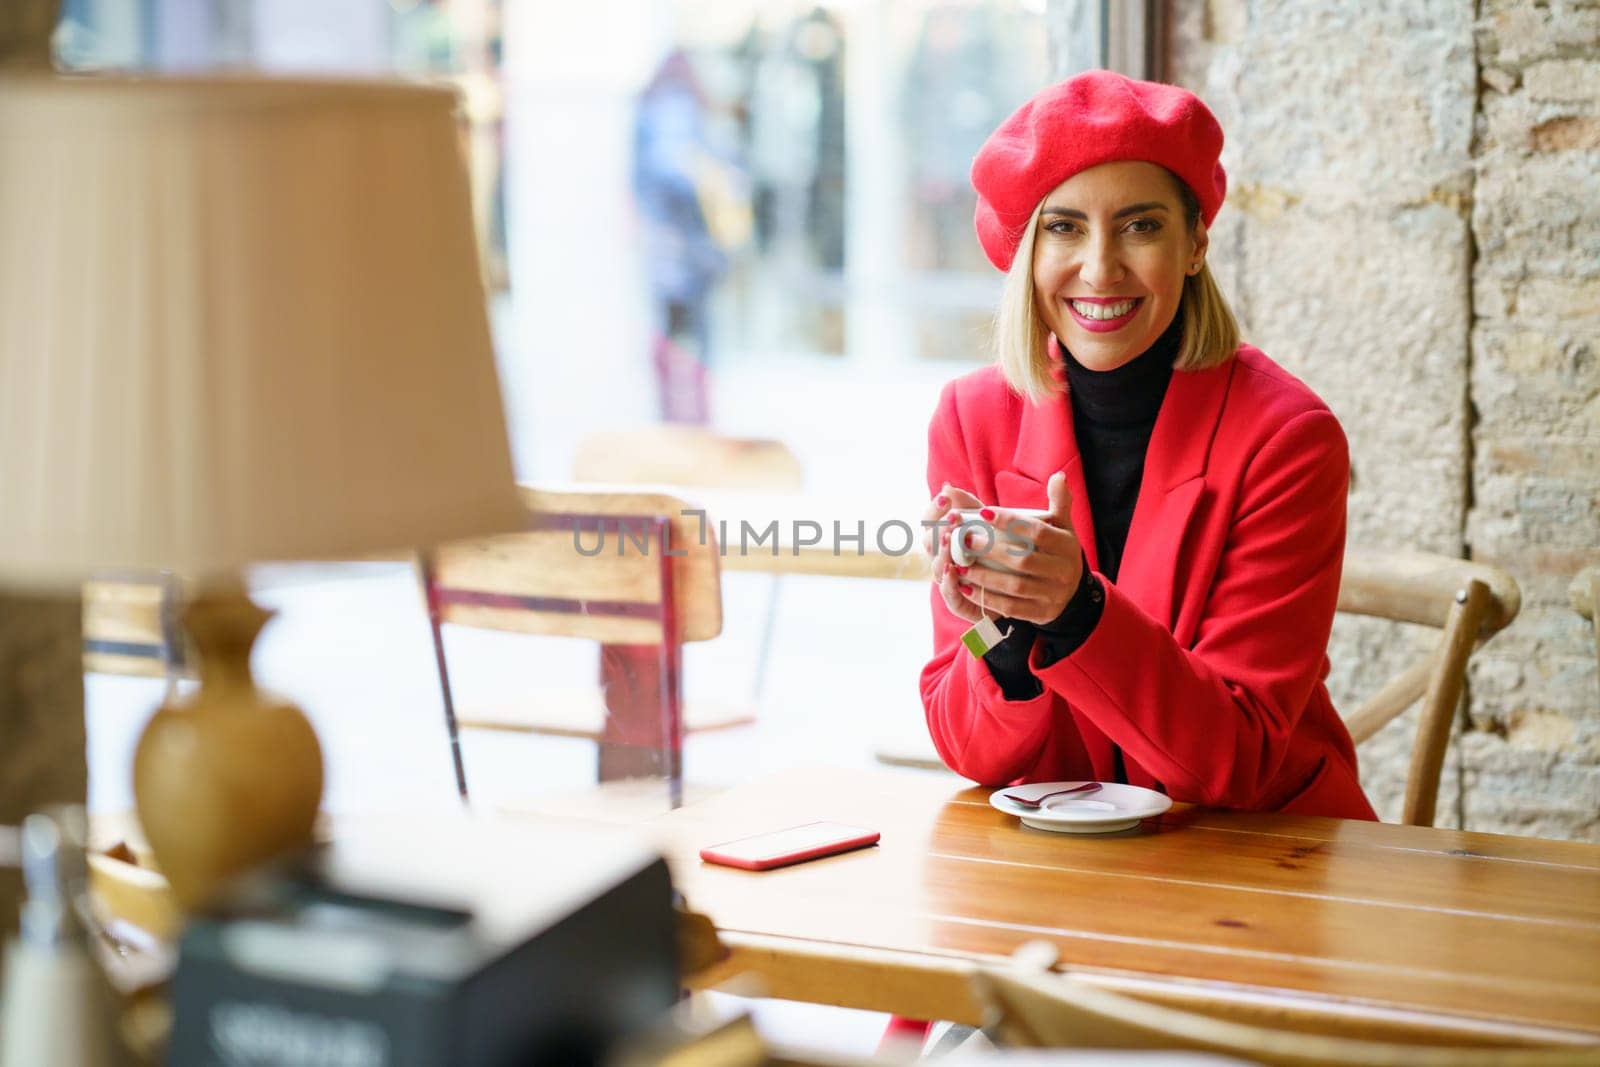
[(671, 669), (425, 569)]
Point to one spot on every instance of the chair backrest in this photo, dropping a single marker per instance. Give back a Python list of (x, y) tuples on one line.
[(596, 565), (1468, 602), (687, 455), (131, 626), (1034, 1010)]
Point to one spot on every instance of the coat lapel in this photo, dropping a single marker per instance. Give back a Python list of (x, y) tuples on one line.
[(1046, 443), (1172, 488)]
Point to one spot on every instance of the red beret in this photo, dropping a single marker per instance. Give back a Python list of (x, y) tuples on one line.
[(1093, 118)]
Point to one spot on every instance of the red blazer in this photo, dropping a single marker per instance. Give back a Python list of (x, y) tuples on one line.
[(1207, 666)]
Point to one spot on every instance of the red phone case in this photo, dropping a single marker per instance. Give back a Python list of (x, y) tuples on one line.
[(755, 859)]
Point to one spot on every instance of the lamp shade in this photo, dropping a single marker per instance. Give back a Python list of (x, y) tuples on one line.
[(240, 320)]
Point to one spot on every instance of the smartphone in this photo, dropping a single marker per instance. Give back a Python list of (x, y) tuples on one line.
[(794, 845)]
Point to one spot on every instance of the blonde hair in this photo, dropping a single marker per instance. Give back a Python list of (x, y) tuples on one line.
[(1021, 339)]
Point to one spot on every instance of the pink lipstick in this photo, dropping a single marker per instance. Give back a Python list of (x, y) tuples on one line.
[(1104, 325)]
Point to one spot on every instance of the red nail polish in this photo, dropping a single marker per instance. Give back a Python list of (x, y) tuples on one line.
[(964, 587), (961, 570), (987, 513), (942, 501)]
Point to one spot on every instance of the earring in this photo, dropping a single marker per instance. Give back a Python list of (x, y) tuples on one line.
[(1194, 268)]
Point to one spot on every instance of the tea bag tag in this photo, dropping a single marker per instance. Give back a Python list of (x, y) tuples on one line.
[(983, 636)]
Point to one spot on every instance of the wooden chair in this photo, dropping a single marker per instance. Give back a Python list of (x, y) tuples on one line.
[(1468, 602), (694, 457), (592, 565), (687, 456), (131, 627), (1042, 1010)]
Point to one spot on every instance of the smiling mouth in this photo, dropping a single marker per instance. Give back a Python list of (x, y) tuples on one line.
[(1103, 312)]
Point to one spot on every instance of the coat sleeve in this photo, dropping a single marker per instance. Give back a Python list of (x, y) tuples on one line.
[(1212, 722), (978, 732)]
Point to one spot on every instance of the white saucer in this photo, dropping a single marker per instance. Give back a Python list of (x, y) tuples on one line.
[(1114, 807)]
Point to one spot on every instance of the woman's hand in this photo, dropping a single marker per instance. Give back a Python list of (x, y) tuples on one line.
[(1049, 570), (936, 542)]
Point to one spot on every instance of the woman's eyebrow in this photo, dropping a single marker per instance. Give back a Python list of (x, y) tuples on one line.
[(1131, 209)]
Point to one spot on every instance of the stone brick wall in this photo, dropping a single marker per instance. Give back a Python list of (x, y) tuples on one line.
[(1531, 762), (1412, 229)]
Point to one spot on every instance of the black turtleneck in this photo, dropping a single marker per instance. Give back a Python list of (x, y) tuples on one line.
[(1113, 415)]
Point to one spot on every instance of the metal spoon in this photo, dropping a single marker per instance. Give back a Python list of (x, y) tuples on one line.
[(1030, 802)]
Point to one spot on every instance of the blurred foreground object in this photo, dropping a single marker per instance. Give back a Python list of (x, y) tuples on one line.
[(55, 1005), (414, 942), (240, 319)]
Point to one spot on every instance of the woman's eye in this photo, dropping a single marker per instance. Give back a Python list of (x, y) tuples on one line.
[(1062, 227), (1143, 226)]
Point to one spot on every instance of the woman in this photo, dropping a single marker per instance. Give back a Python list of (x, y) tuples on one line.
[(1169, 625)]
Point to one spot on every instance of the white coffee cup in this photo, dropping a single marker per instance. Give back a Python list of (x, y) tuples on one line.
[(977, 541)]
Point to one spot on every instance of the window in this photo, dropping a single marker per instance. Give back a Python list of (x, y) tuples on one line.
[(854, 126)]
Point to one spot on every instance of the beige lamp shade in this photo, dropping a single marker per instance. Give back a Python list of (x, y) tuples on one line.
[(240, 320)]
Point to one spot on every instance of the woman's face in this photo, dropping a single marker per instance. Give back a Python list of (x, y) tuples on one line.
[(1112, 251)]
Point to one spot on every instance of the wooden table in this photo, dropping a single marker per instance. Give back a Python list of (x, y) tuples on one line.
[(1357, 928)]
